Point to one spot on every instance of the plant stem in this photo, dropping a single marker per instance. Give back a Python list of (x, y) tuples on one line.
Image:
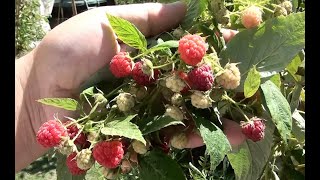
[(115, 90), (164, 65), (226, 97)]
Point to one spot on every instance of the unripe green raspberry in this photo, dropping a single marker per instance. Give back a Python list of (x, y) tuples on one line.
[(67, 146), (287, 5), (280, 11), (201, 100), (139, 92), (230, 77), (175, 83), (93, 136), (109, 173), (174, 112), (223, 16), (85, 159), (147, 67), (125, 166), (125, 102), (178, 33), (99, 98), (179, 141), (139, 147), (177, 99)]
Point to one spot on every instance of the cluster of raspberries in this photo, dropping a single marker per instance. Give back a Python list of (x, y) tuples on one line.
[(192, 48), (53, 133)]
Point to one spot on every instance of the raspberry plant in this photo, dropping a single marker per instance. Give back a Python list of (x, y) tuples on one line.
[(190, 85)]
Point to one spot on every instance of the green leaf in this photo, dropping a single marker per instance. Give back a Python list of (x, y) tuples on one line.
[(278, 107), (64, 103), (217, 144), (270, 47), (62, 169), (292, 68), (164, 45), (123, 127), (295, 97), (158, 123), (194, 10), (156, 165), (276, 79), (128, 32), (298, 126), (250, 158), (252, 82)]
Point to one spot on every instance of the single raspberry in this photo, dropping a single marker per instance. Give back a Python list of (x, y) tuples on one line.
[(72, 165), (287, 5), (67, 146), (141, 78), (73, 130), (192, 48), (177, 99), (201, 78), (174, 112), (125, 166), (280, 11), (175, 83), (201, 100), (50, 133), (125, 102), (251, 17), (108, 153), (121, 65), (223, 16), (85, 159), (254, 129), (179, 141), (139, 92), (110, 173), (139, 147), (230, 77)]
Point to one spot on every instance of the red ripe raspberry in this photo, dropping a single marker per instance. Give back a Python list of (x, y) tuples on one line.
[(108, 153), (201, 78), (50, 133), (192, 48), (73, 131), (254, 129), (142, 78), (121, 65), (72, 165)]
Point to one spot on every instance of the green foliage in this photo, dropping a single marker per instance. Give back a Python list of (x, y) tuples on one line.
[(28, 25)]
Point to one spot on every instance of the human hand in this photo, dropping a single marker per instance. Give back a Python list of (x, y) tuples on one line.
[(67, 57)]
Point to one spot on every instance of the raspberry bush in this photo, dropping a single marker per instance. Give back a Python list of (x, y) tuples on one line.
[(241, 102)]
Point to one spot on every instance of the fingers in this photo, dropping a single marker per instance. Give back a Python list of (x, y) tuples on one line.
[(233, 132), (150, 18)]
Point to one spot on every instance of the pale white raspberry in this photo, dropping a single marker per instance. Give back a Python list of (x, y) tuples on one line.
[(179, 141), (201, 100), (174, 112), (85, 159), (175, 83), (125, 102)]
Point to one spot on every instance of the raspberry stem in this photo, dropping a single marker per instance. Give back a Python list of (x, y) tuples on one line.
[(226, 97), (164, 65), (115, 90), (74, 122), (75, 137)]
